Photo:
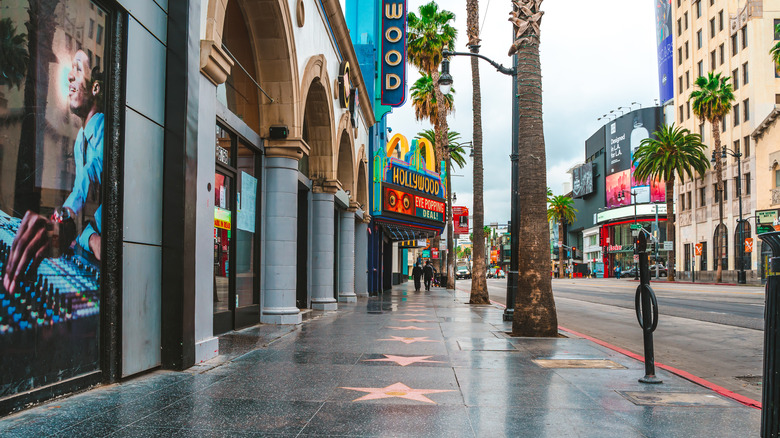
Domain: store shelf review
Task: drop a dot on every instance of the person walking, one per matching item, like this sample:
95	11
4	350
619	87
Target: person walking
428	271
417	272
617	272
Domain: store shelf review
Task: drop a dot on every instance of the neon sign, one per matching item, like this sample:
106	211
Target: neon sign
393	53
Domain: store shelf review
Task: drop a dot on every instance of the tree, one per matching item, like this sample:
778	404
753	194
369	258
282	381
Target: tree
479	289
670	153
775	50
13	54
712	100
428	35
534	313
424	101
457	153
561	210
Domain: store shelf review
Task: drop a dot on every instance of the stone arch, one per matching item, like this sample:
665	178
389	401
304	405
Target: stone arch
361	186
346	163
271	33
317	119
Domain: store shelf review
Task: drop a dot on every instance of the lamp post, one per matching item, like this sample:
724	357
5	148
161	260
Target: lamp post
741	277
445	82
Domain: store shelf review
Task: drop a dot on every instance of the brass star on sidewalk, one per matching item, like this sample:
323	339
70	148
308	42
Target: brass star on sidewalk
409	340
397	390
409	327
404	360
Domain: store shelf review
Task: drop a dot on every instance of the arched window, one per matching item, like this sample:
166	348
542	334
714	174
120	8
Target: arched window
741	258
720	246
239	92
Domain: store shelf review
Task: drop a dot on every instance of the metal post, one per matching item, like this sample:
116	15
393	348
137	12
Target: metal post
741	277
646	310
514	227
770	400
655	244
636	265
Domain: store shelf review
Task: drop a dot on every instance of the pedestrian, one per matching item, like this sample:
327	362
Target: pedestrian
417	272
428	271
617	272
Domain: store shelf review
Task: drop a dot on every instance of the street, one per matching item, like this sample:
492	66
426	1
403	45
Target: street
713	332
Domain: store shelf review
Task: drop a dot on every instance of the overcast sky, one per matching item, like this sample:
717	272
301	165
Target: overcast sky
596	56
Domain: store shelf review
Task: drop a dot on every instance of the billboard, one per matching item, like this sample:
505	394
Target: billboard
393	69
460	217
582	180
624	135
664	44
52	129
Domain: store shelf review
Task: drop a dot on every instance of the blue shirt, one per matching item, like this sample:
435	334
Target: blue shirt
88	154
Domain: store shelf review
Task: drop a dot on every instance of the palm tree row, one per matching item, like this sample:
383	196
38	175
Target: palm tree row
561	210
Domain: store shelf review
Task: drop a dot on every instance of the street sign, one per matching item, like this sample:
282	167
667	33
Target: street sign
749	244
636	226
668	245
697	249
636	258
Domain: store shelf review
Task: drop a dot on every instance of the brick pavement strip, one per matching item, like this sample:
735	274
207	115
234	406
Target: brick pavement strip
338	373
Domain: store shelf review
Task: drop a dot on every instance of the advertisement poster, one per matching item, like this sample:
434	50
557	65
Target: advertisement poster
582	180
461	220
52	125
624	136
664	44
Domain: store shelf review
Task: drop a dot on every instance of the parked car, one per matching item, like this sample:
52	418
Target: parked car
631	272
462	271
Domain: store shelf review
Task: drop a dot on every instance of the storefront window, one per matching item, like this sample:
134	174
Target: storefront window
247	278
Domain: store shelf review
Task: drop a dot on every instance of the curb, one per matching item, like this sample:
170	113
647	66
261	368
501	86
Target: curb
680	373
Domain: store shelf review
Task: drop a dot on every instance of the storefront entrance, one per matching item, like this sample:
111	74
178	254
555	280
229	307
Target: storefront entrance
236	237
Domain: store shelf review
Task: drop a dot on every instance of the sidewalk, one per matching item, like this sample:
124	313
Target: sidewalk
406	364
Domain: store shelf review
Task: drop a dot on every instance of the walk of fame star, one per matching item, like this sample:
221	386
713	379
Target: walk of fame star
409	340
397	390
404	360
409	327
414	320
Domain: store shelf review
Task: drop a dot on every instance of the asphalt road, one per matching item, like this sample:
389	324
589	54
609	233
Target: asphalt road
713	332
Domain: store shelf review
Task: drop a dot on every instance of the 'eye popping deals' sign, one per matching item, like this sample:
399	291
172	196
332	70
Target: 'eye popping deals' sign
393	52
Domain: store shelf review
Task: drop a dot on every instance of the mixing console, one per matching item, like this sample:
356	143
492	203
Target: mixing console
62	289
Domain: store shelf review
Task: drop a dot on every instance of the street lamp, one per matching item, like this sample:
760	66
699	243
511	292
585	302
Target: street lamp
514	264
741	277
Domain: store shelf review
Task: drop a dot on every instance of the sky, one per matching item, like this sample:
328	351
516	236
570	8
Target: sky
596	56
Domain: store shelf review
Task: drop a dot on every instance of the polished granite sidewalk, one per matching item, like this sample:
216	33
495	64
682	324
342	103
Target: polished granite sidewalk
406	364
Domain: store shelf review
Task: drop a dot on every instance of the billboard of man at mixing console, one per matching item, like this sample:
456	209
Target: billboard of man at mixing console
51	170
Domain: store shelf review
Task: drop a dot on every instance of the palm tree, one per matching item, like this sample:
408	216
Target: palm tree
561	210
671	152
13	54
534	313
479	290
457	153
712	100
424	101
775	50
428	35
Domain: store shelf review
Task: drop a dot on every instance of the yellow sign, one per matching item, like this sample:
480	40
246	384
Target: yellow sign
222	218
415	181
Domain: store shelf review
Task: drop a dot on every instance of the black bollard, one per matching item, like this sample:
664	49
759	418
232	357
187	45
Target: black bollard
770	397
646	309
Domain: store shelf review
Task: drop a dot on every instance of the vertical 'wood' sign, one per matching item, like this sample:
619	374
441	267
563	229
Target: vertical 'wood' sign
393	52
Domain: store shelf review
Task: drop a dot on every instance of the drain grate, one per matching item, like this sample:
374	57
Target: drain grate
675	399
579	363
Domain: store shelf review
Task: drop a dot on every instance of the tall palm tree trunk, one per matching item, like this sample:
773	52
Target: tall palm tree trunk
535	313
479	290
450	237
440	134
669	227
561	250
719	171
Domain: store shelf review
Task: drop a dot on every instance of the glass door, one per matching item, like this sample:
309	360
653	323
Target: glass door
247	309
223	250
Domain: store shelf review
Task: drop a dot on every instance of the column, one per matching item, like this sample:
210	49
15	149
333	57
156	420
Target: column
361	258
281	226
347	257
322	297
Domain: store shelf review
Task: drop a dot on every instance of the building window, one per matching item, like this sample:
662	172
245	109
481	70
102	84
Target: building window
746	143
735	110
720	20
702	196
777	34
700	65
746	110
698	39
712	28
687	252
679	56
685	20
722	53
701	131
687	80
745	77
744	37
725	191
703	258
687	53
777	99
679	2
734	45
91	28
680	84
681	114
698	9
777	178
747	184
99	37
723	124
717	192
712	60
682	201
720	247
679	26
736	146
690	196
688	109
735	78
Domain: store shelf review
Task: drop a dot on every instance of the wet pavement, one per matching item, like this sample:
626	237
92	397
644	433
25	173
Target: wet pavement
407	364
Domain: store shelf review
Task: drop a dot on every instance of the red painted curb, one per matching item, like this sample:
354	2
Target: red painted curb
684	374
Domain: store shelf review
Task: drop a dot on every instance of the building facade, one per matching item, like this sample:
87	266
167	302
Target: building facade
732	38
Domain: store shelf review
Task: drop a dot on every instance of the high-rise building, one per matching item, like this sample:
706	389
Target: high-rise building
733	38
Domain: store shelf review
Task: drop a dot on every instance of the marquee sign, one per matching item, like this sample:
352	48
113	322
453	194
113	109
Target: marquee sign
345	85
393	60
397	200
